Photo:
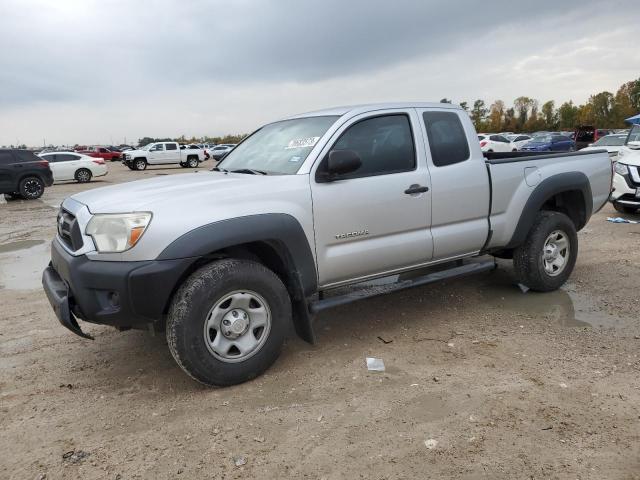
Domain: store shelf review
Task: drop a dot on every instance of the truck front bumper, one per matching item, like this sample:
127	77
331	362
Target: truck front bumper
120	294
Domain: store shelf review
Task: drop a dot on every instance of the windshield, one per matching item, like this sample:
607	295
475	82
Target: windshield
634	134
611	140
146	147
280	147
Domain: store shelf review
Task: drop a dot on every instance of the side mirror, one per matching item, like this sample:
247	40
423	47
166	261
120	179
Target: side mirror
341	162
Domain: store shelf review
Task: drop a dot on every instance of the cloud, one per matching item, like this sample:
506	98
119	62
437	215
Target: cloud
169	67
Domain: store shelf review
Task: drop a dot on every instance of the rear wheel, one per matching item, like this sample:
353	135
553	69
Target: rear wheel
547	257
83	175
228	321
140	164
31	188
624	208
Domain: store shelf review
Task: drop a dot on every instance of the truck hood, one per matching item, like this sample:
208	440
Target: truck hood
199	190
629	156
135	153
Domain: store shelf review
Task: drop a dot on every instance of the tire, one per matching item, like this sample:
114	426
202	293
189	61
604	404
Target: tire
31	188
624	208
192	162
536	262
10	197
83	175
206	300
139	164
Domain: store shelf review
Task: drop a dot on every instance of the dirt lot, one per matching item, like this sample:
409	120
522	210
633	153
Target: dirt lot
482	381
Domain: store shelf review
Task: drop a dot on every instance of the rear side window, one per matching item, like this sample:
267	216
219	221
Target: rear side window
447	140
384	144
172	146
6	158
25	156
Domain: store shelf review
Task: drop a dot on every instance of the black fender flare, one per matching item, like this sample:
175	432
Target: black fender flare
281	231
549	187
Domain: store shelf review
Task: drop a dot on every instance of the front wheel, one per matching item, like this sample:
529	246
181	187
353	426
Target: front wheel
227	322
140	164
547	257
192	162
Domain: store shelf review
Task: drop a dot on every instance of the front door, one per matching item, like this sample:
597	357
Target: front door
156	154
376	219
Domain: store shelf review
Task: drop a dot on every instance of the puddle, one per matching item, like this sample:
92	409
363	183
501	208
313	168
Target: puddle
22	263
497	291
19	245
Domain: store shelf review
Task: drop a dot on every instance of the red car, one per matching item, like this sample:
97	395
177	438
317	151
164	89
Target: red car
101	152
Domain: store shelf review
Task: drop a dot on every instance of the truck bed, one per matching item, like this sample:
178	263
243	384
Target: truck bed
519	178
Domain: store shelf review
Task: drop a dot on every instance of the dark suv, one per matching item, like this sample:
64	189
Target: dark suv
23	174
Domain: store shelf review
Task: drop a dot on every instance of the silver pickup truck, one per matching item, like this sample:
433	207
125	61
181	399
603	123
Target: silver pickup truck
303	206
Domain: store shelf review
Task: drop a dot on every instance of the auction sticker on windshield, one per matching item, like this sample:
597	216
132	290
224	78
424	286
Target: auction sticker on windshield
302	142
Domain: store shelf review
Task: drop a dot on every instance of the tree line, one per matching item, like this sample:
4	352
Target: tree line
235	138
603	110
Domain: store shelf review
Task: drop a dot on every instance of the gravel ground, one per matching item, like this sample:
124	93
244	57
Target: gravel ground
481	380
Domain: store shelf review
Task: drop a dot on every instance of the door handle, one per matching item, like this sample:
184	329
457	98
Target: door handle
415	188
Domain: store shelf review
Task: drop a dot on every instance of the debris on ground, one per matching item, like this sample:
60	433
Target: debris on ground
375	364
431	443
563	385
384	340
258	439
240	460
75	456
620	220
523	288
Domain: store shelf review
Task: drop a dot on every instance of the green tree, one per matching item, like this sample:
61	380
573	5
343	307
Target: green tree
445	100
464	106
603	107
549	115
568	115
522	106
479	114
496	116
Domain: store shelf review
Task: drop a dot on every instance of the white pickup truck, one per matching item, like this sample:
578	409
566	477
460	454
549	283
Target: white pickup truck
305	205
162	153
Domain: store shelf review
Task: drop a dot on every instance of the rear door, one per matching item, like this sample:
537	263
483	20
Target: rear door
461	192
172	153
373	221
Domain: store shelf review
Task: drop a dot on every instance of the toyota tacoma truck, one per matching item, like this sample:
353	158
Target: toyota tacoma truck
300	216
162	153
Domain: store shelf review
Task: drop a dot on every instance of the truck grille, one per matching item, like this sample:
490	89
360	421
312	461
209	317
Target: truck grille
69	230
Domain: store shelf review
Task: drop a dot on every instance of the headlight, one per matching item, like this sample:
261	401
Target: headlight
112	233
621	168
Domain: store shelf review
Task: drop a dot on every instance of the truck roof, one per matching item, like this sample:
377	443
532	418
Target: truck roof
367	107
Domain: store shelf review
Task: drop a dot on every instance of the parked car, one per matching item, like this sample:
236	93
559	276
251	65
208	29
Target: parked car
492	142
162	153
626	182
101	152
549	143
518	140
219	152
612	143
23	174
304	205
75	166
586	134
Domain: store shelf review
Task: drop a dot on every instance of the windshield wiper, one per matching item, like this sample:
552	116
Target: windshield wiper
250	171
219	169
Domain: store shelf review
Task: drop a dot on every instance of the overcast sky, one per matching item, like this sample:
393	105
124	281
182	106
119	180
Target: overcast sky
98	71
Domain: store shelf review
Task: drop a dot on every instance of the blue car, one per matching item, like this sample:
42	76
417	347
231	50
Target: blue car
550	143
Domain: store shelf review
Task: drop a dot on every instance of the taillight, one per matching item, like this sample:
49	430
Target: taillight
99	161
44	163
482	144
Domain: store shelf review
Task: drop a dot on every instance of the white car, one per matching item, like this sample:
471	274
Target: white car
493	142
518	140
626	181
611	143
74	166
220	151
